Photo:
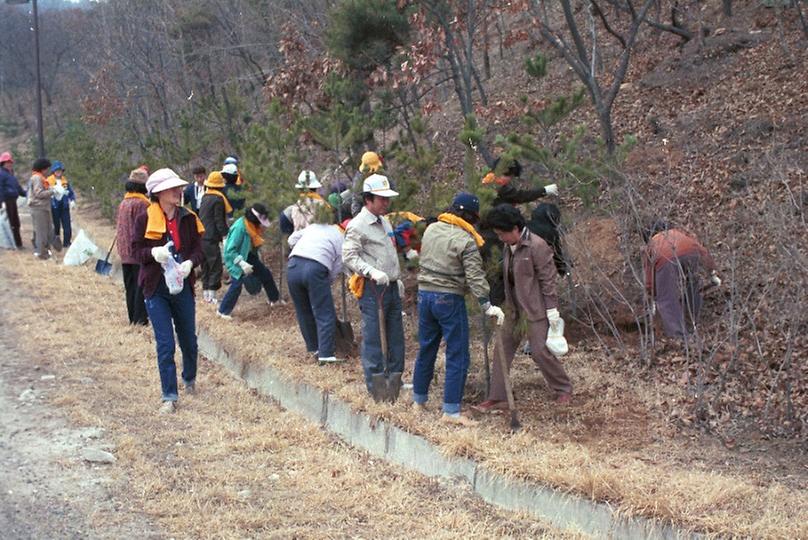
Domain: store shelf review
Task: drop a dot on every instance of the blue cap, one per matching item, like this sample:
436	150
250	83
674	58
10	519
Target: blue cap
57	166
467	202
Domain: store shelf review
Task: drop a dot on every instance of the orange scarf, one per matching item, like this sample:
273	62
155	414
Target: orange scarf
131	195
452	219
255	233
311	195
51	180
491	178
156	222
227	206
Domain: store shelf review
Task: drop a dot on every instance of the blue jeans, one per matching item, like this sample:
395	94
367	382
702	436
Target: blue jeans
61	219
372	359
442	315
234	291
310	289
168	313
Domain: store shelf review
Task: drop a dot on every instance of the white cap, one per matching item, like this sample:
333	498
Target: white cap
230	168
307	180
230	159
163	179
378	185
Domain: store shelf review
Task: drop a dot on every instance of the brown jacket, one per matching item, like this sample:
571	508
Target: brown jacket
531	285
668	246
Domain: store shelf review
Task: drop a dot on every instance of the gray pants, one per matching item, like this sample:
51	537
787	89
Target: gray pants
678	295
44	235
557	379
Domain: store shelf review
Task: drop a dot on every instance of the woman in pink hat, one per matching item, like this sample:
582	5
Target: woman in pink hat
10	190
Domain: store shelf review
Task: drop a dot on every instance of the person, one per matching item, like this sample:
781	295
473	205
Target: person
450	264
39	197
544	222
213	212
672	263
193	193
234	185
167	230
368	251
503	177
314	264
530	296
297	216
133	204
10	191
241	258
62	201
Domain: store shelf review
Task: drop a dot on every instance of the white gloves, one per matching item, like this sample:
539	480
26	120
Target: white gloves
411	254
551	189
72	205
161	253
715	279
653	309
246	267
379	277
494	311
401	289
58	192
185	268
554	318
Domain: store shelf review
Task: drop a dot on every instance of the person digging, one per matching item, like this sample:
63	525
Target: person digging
368	251
529	274
450	263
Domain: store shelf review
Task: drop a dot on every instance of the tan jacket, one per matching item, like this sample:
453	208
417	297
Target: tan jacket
451	262
533	290
39	192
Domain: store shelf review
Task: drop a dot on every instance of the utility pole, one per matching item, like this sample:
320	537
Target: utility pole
40	132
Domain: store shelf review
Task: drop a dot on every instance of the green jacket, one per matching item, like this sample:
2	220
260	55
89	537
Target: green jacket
450	262
238	243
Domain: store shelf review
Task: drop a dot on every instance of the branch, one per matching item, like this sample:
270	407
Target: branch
599	13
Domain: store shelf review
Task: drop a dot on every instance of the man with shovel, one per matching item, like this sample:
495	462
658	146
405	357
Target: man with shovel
369	252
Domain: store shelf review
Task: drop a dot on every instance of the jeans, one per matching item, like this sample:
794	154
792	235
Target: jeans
170	312
61	219
135	303
442	315
372	359
234	291
310	289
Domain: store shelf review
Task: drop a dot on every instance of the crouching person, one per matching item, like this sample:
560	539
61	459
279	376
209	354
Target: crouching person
450	263
167	231
241	258
530	295
315	262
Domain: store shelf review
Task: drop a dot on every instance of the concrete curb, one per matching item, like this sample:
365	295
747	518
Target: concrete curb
381	439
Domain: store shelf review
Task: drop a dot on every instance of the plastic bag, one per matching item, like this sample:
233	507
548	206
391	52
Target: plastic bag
6	236
80	250
556	342
172	273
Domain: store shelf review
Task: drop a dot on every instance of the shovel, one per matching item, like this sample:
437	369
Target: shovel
345	339
515	424
104	267
486	341
386	386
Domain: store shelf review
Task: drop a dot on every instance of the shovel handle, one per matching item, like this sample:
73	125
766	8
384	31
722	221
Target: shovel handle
499	353
106	259
382	322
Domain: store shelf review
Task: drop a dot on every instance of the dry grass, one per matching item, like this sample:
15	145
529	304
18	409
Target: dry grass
229	464
612	444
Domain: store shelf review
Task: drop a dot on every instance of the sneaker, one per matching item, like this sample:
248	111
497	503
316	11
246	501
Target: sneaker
458	419
190	388
278	303
563	399
223	316
491	406
329	359
168	407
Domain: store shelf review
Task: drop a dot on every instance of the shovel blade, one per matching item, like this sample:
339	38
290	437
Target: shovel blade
393	386
378	387
103	268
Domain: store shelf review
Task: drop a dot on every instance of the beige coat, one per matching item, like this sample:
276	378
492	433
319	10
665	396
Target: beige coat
532	288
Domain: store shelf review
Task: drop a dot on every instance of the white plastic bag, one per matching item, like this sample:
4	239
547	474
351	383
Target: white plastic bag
80	250
172	274
6	236
556	342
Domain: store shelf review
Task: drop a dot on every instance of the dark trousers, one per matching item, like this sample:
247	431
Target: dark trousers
170	312
310	289
61	219
678	295
234	291
135	303
211	265
13	219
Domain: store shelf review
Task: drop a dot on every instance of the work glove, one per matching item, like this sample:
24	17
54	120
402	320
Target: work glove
246	267
161	253
554	318
411	254
715	279
494	311
379	277
185	268
72	205
58	192
400	289
653	309
551	189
